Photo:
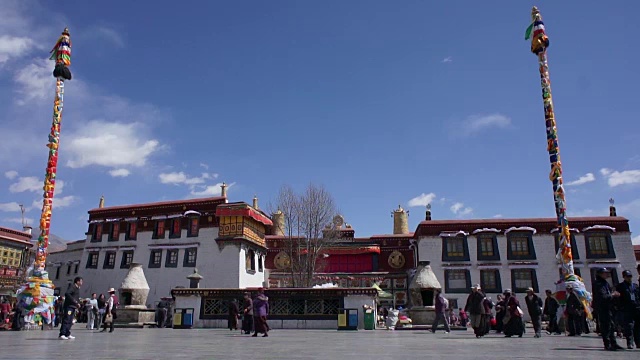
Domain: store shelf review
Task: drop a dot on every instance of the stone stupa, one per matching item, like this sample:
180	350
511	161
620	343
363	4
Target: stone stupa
134	291
422	290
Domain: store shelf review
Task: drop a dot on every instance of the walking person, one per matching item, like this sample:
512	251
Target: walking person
475	308
500	313
551	306
102	303
513	324
534	307
247	314
233	311
58	309
574	309
629	309
161	313
260	311
92	311
441	306
603	296
71	305
110	311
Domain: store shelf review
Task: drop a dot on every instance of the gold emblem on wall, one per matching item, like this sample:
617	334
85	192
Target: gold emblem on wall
396	259
282	260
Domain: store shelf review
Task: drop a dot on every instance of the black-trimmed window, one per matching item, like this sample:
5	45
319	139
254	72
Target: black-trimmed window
520	246
96	235
127	258
194	227
58	272
159	231
176	228
575	271
75	269
260	263
574	245
114	232
490	281
172	258
109	260
612	280
68	269
132	230
190	257
488	247
250	261
599	245
92	261
155	258
457	281
522	279
455	248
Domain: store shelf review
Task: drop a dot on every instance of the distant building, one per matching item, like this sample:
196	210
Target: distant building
224	241
15	254
520	253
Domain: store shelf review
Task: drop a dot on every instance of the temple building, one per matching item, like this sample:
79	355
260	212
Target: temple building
223	241
520	253
15	257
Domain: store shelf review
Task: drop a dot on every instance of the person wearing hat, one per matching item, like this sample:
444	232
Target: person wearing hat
534	307
630	309
603	298
476	310
110	311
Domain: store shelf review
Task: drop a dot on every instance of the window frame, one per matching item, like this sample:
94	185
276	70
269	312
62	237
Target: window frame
494	243
156	229
185	261
449	289
89	260
190	231
123	260
97	229
498	280
250	261
114	231
106	264
167	264
68	269
574	245
172	230
531	247
260	263
534	281
58	272
152	263
611	252
465	248
129	236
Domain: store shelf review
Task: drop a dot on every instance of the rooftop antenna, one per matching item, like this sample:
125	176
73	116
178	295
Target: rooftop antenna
22	210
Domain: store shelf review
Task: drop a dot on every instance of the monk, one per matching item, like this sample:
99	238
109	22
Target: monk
260	311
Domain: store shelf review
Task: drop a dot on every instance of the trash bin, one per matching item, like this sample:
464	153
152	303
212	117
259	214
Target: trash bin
347	319
369	319
183	318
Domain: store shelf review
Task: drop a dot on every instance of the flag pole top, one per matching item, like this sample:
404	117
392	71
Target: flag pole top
535	14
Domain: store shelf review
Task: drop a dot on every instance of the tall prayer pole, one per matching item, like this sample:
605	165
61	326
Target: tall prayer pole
37	293
539	45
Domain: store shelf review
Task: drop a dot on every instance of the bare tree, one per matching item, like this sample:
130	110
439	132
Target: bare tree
307	230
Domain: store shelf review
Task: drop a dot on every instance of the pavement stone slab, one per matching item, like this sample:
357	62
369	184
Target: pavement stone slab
297	344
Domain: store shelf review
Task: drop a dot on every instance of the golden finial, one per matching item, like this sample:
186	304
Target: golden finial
101	204
65	31
535	14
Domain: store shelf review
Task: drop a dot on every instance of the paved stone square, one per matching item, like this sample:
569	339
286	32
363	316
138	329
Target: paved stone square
296	344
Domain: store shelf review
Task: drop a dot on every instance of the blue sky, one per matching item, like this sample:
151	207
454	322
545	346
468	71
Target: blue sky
383	102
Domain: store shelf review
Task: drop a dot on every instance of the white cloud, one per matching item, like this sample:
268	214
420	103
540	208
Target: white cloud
11	174
172	178
10	207
65	201
460	210
110	35
109	144
205	166
119	172
35	82
496	216
422	200
27	220
587	178
196	184
617	178
209	190
477	123
448	59
13	47
29	183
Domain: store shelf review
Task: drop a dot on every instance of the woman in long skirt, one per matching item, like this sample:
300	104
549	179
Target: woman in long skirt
260	311
247	314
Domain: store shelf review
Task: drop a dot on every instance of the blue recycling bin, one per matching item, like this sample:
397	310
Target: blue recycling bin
347	319
183	318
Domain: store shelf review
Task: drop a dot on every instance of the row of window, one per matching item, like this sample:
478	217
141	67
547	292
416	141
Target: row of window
76	266
174	226
459	281
171	258
250	262
520	247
